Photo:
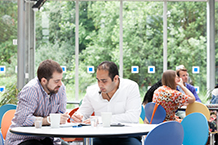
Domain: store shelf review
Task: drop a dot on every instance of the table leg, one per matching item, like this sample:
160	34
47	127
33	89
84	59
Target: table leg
211	139
88	141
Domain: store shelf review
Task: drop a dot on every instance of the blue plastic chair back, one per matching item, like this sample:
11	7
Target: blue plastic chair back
4	109
159	115
166	133
1	139
142	115
196	129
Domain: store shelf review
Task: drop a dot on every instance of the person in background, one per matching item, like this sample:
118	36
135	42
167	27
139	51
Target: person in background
43	95
182	73
214	93
149	96
111	94
169	98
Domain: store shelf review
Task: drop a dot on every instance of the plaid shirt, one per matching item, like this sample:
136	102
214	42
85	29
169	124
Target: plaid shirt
34	101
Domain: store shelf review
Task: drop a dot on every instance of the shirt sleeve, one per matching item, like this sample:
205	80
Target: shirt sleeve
192	89
181	98
26	105
86	108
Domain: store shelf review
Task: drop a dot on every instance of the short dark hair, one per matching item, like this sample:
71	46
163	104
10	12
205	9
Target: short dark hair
168	79
181	69
111	67
47	68
149	94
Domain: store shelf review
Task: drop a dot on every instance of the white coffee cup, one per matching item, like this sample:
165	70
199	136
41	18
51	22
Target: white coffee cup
106	118
38	122
54	120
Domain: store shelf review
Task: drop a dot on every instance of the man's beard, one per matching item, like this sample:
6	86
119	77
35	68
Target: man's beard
52	91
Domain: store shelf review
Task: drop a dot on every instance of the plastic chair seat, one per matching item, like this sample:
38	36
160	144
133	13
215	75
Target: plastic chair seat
166	133
198	107
142	115
4	109
6	122
196	129
159	115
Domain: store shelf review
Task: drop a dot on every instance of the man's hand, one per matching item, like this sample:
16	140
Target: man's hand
77	117
180	82
64	118
87	121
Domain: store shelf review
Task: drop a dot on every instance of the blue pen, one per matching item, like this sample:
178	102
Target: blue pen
69	117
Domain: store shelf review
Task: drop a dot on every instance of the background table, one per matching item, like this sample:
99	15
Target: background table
86	131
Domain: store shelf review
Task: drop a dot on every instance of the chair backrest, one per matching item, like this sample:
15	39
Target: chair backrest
198	107
196	129
4	109
159	115
6	121
142	115
1	139
166	133
72	112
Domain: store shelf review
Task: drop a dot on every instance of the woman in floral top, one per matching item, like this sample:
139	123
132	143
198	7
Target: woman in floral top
169	98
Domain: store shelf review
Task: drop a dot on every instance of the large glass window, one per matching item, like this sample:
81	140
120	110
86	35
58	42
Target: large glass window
98	38
187	41
55	38
8	50
143	42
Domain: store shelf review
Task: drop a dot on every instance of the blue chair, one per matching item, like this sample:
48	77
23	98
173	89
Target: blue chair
1	139
196	129
4	109
159	114
142	115
166	133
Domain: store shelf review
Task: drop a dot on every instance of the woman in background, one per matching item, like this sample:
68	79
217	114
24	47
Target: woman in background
169	98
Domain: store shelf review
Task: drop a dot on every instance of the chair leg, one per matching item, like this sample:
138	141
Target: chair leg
212	138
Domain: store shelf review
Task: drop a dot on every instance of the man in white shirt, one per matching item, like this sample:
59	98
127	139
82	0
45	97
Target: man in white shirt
111	94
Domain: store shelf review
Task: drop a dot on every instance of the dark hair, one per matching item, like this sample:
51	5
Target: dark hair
181	69
149	94
168	79
111	67
47	68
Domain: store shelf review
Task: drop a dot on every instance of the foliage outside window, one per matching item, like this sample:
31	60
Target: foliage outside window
99	39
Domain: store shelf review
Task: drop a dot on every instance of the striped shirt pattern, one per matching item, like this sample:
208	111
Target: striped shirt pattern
34	101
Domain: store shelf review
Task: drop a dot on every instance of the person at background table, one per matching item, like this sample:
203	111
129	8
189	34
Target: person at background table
43	95
214	94
169	98
111	94
149	96
182	73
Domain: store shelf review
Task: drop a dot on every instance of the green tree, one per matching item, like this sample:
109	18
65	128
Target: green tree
8	29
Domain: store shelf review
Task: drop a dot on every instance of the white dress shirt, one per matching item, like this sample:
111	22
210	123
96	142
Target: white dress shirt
125	104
